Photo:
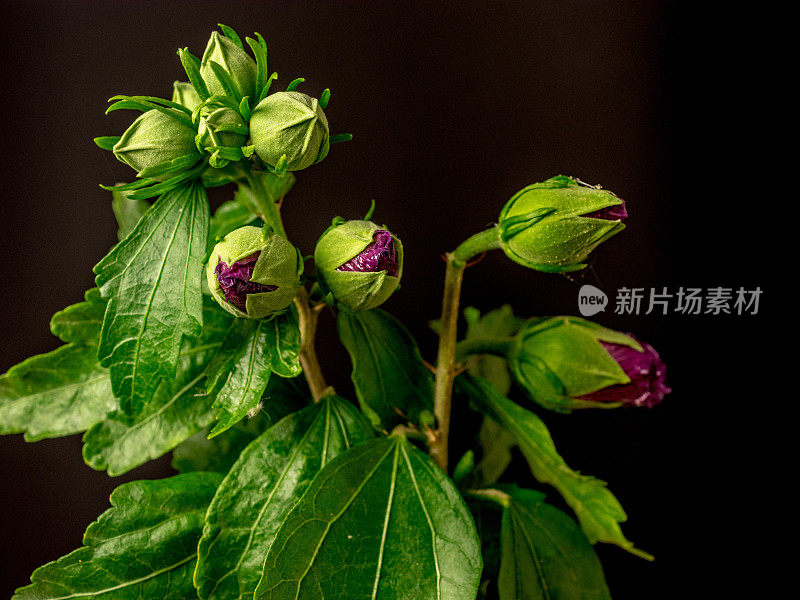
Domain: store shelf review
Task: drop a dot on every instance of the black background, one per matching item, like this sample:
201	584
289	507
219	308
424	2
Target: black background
454	107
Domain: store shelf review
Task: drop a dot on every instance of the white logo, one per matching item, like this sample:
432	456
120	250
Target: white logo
591	300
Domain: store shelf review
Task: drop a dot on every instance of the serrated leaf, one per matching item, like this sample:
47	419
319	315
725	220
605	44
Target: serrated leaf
198	453
81	322
545	555
251	352
127	212
144	546
178	409
55	394
388	372
597	509
380	521
229	216
262	487
152	279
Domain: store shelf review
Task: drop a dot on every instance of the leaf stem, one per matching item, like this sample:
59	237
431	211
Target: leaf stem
445	363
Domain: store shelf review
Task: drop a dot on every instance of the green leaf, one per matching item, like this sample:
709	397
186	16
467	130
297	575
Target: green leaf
388	372
252	350
55	394
81	323
229	216
128	212
381	521
152	279
262	487
144	546
545	555
178	409
497	444
498	323
198	453
597	509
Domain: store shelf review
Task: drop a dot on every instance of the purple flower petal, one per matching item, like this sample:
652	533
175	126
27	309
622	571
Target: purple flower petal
235	281
380	255
646	371
617	212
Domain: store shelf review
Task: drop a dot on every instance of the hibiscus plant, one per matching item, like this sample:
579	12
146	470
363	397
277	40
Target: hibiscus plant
199	340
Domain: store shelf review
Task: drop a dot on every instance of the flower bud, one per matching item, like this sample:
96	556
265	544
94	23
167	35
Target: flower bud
553	226
155	138
359	263
566	362
211	120
184	94
237	62
254	272
291	124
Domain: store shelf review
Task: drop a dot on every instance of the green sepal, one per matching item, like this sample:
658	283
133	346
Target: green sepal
106	142
293	85
231	35
262	74
325	98
191	64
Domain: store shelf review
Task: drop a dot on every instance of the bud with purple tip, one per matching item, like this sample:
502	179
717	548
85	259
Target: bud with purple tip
552	226
254	272
566	363
359	263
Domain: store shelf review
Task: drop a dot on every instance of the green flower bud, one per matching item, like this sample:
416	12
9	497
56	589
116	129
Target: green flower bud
359	263
156	138
254	272
184	94
210	122
553	226
237	62
567	362
291	124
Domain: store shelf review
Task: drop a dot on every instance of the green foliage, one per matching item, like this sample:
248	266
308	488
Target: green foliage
598	511
144	546
545	554
251	352
388	372
177	409
152	281
262	487
64	391
380	521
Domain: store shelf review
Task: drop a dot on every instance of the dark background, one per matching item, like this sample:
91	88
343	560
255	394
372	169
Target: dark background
454	107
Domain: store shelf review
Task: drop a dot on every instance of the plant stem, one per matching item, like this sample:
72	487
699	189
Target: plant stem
445	362
308	355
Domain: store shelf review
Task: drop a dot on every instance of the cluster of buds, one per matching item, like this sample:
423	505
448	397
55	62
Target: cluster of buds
224	114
